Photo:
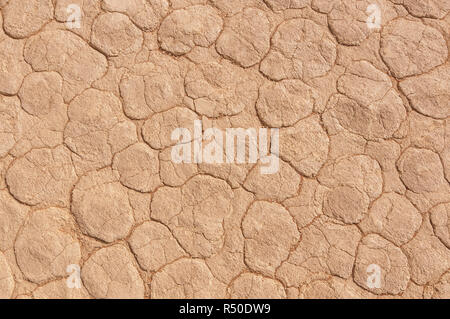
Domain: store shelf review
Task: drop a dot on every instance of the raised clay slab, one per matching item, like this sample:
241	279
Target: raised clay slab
356	95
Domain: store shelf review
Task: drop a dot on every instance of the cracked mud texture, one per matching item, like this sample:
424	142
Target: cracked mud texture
87	177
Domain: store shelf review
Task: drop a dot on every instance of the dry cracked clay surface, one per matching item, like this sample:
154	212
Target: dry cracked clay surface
93	204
